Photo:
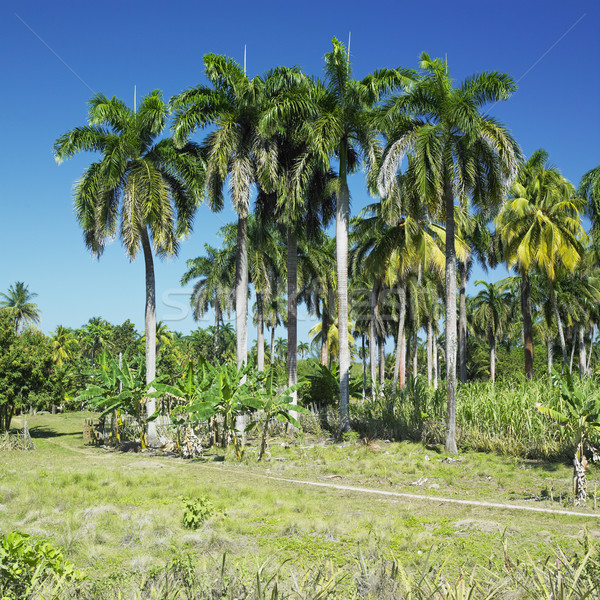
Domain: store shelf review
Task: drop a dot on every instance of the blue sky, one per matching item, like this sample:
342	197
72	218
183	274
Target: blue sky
55	54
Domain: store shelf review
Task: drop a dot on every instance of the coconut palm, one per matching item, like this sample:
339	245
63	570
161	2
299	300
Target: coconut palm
64	345
147	190
491	309
589	188
456	152
345	129
18	300
540	227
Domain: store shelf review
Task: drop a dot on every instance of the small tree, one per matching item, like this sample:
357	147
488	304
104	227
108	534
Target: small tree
581	418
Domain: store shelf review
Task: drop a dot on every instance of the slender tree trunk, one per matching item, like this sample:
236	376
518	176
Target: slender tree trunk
150	331
399	358
429	352
373	340
324	335
260	333
341	246
381	344
572	352
364	363
272	344
550	353
415	355
561	333
241	291
451	341
436	365
217	328
589	360
493	358
582	363
402	373
527	323
462	322
292	323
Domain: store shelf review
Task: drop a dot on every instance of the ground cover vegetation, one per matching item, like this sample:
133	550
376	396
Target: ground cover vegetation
470	373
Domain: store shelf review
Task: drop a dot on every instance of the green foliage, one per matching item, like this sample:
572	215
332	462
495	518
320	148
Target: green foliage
121	388
25	562
196	511
25	364
321	385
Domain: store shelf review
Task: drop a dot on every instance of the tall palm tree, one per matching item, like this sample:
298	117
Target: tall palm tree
214	282
456	152
236	149
18	300
540	227
491	309
589	188
146	189
346	130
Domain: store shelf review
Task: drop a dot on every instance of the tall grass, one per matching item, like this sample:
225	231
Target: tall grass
497	417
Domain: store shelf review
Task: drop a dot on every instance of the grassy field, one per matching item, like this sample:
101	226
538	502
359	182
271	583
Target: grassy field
120	514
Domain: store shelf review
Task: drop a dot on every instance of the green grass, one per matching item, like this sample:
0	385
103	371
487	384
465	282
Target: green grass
116	512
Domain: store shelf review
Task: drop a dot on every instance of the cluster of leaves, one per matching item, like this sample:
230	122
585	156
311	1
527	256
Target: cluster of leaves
25	562
196	511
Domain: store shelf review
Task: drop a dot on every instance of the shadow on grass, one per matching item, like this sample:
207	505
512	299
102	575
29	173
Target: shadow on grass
42	431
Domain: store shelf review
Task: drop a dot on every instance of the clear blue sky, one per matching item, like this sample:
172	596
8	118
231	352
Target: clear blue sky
55	54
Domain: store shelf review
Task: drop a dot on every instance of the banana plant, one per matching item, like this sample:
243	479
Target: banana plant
580	416
120	387
273	405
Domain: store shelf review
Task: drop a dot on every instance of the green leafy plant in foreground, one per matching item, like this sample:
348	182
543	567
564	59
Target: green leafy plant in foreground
581	417
196	511
25	562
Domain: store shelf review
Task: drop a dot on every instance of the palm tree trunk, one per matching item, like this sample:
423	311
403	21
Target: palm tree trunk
324	336
550	353
292	323
451	341
462	321
381	345
415	349
260	333
399	359
272	344
572	353
150	331
589	359
429	351
527	323
582	363
217	326
364	362
435	361
493	358
561	333
241	292
373	341
341	246
402	359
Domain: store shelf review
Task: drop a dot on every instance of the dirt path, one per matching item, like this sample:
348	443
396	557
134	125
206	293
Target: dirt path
150	463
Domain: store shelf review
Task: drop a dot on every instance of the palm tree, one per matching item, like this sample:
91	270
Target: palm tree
96	337
212	289
456	151
303	349
540	227
147	190
64	345
18	301
491	309
236	150
275	313
346	130
589	188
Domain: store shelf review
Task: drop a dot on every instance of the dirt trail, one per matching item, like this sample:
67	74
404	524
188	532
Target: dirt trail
143	462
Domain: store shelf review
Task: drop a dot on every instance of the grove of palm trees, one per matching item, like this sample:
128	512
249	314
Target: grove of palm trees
454	317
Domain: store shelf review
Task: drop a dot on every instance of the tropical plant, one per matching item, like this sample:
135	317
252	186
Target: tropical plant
64	345
540	227
18	301
152	188
491	309
580	416
344	128
456	151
